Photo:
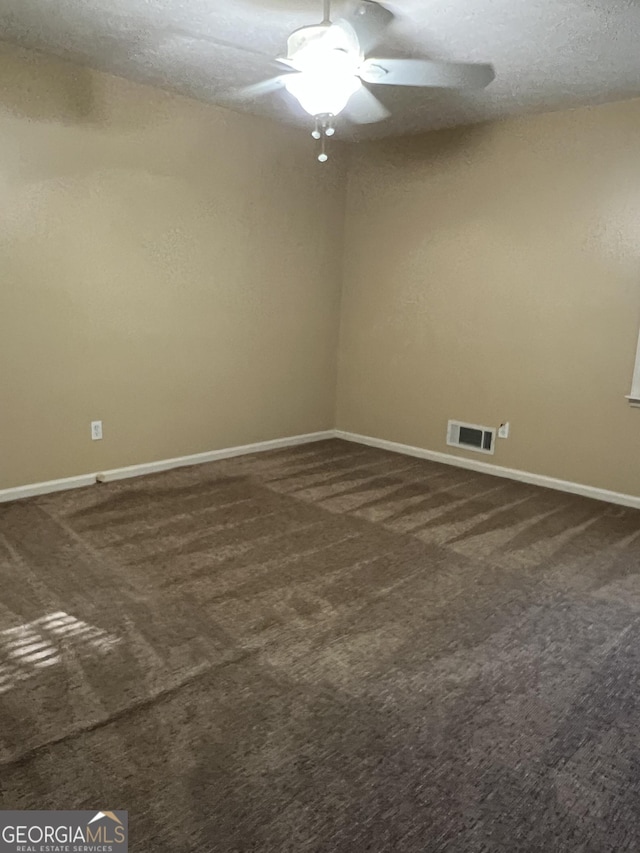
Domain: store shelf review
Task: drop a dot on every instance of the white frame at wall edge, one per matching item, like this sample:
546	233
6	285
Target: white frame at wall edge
634	395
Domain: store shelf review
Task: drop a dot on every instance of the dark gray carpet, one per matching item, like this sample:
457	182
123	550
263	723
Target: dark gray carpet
325	648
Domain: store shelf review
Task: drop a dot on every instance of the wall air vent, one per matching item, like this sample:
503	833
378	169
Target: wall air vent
471	437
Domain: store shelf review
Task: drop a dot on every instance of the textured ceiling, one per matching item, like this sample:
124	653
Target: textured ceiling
548	54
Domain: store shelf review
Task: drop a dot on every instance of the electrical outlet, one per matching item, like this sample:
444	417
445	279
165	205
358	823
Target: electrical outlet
96	430
503	430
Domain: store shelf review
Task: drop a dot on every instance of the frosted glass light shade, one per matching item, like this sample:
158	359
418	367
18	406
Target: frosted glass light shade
322	93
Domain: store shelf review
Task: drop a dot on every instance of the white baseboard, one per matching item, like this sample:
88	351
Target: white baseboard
211	456
496	470
33	489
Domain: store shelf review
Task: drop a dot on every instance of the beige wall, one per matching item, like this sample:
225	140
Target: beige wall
174	270
493	274
168	267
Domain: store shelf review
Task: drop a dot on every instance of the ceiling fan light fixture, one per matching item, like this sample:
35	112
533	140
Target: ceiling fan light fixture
327	58
322	94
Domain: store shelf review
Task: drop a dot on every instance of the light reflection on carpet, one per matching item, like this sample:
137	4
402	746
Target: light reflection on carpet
29	648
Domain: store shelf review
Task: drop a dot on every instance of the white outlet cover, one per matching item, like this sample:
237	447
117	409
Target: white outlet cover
96	430
503	430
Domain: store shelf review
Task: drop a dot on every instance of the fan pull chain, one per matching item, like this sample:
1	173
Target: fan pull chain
322	129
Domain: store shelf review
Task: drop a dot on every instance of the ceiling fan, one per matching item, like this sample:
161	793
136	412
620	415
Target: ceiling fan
326	65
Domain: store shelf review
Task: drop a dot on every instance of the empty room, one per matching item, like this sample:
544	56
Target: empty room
319	426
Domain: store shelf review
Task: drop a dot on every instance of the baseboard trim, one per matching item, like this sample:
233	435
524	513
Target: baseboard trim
34	489
211	456
50	486
496	470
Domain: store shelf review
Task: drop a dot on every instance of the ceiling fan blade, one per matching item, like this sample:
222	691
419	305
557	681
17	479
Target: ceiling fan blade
424	72
365	108
370	21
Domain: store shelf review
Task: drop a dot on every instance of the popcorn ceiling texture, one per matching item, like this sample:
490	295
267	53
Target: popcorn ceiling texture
548	54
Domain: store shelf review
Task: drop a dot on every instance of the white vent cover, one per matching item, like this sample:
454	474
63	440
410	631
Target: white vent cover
471	437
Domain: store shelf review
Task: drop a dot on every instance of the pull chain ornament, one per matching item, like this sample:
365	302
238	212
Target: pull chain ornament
324	128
